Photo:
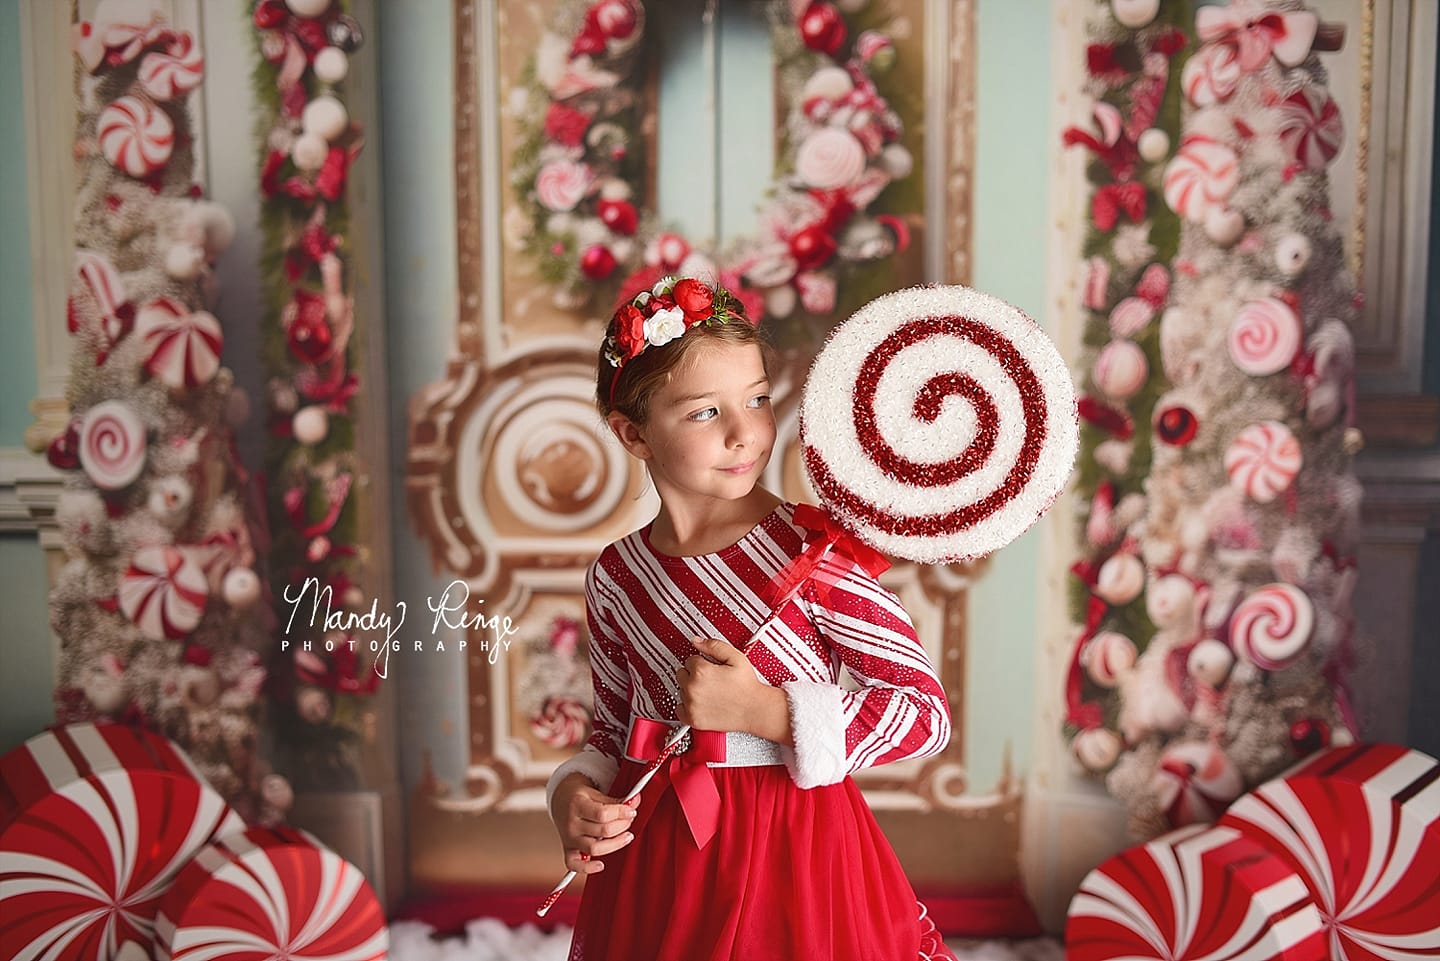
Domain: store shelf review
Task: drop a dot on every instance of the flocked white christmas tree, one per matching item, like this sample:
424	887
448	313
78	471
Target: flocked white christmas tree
1220	568
156	606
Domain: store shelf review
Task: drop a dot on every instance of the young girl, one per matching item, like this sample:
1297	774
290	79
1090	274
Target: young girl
754	843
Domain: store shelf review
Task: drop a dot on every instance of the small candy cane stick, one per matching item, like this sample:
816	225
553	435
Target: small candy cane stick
634	792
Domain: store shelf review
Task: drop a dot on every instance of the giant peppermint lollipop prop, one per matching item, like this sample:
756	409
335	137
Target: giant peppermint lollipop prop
938	423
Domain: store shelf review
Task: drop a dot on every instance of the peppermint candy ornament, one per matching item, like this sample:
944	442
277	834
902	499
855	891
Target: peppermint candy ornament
1107	656
829	158
938	423
1202	175
1121	369
184	347
136	136
1211	75
95	822
561	723
163	592
1310	127
1097	749
1194	782
1272	627
271	893
1263	460
1264	337
112	445
174	72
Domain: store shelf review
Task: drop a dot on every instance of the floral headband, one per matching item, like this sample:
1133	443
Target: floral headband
664	312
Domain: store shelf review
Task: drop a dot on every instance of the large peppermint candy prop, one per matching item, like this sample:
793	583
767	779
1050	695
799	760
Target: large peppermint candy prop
183	346
1361	826
264	894
1196	893
95	822
938	423
136	136
164	592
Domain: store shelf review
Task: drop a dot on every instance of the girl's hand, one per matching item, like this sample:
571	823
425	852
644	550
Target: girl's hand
591	823
720	691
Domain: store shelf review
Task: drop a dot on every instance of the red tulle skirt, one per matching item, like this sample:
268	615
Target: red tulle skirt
789	874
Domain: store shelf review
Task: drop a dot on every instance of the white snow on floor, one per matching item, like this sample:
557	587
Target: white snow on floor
487	939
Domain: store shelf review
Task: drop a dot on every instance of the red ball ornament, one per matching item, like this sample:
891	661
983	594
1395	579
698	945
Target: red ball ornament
812	247
1176	425
64	451
822	28
615	18
597	262
619	215
1309	735
309	336
588	42
270	14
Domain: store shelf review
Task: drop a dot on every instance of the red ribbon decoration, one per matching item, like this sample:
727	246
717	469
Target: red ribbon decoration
688	771
826	536
1111	199
1079	712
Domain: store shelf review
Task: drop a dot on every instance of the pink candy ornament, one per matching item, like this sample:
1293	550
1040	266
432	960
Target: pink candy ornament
1203	174
163	593
1170	601
136	136
183	347
1263	460
1120	580
1131	316
561	184
1195	782
829	158
1107	656
175	72
112	445
1271	628
1264	337
1211	75
1121	369
1310	127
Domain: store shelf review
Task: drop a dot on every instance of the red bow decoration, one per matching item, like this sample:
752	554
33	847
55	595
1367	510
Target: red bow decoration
341	674
826	536
688	771
336	491
1081	713
1107	418
1111	199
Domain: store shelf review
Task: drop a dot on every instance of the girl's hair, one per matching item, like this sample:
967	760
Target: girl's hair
629	388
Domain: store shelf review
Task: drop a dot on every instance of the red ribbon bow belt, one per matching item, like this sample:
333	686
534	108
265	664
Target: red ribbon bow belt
826	536
688	770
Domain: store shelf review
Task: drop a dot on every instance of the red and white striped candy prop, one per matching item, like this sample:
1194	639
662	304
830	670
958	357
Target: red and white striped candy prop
1201	177
174	72
938	423
163	592
1361	826
1265	337
270	894
112	445
136	136
1310	127
1272	627
1262	460
1197	893
95	822
183	347
1194	781
104	283
1212	75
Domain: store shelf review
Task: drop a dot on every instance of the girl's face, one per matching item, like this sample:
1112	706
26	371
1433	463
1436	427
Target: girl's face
711	430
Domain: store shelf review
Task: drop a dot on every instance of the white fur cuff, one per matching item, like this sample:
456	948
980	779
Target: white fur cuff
600	769
817	720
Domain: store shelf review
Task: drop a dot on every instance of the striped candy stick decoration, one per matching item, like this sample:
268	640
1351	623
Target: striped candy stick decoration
95	821
1196	893
271	893
1359	825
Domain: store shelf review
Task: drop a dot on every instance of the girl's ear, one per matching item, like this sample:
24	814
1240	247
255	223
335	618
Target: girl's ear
627	432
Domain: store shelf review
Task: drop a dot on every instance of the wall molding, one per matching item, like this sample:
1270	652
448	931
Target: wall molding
29	491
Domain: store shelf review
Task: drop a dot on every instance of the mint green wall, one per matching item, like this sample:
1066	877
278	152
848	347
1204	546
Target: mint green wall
27	657
17	335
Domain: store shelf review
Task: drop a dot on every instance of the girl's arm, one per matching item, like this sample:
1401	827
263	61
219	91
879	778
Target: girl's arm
900	711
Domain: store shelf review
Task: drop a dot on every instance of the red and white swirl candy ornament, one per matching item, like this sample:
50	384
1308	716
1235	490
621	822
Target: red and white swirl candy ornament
938	423
1272	627
271	893
163	592
1194	782
136	136
1265	337
1310	127
112	445
1263	460
183	346
174	72
1201	177
95	823
1360	825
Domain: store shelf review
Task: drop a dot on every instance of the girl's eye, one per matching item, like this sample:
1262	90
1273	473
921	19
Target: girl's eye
706	414
760	401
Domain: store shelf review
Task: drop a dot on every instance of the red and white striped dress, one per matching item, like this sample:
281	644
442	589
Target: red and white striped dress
797	866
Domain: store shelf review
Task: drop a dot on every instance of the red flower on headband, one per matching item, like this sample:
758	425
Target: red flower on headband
629	331
695	299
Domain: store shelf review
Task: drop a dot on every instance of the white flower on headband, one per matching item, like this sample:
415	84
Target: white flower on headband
664	285
664	326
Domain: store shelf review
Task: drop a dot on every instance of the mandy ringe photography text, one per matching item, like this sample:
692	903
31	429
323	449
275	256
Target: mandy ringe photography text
449	610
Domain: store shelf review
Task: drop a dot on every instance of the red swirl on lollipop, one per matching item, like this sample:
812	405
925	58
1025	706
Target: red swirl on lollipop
938	423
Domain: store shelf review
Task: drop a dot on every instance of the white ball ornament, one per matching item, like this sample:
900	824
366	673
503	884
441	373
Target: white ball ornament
308	8
1121	579
1170	601
1121	369
1224	226
1097	749
1210	662
241	587
325	117
1292	254
170	499
184	261
311	424
1153	145
896	161
1135	13
107	693
331	65
309	152
828	83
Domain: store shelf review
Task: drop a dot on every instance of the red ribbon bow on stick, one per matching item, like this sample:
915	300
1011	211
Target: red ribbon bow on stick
1111	199
689	771
826	536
